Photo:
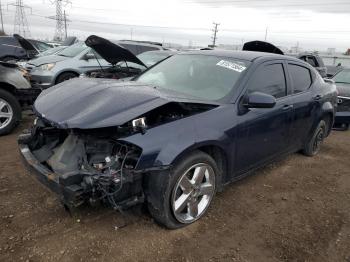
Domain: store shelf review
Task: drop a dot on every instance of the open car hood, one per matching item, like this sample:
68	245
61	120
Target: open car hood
112	53
26	45
261	46
87	103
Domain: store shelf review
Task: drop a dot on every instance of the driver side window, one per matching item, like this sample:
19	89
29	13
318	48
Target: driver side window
269	79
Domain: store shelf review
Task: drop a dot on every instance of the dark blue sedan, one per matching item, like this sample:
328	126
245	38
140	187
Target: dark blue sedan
175	135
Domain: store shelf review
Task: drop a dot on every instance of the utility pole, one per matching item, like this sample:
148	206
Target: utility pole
61	21
214	37
266	33
2	21
21	24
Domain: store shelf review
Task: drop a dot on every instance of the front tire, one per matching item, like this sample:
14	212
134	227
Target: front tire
10	112
313	146
182	196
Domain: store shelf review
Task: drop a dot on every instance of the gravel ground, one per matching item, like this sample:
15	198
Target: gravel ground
297	209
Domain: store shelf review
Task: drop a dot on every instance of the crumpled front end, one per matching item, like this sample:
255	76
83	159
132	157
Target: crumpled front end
343	110
84	165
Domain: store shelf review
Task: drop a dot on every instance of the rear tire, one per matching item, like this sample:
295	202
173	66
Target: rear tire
10	112
65	76
313	146
193	180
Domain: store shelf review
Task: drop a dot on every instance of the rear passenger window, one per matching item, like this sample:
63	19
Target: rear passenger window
301	78
269	79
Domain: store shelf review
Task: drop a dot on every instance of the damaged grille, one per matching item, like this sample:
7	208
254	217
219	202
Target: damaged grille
92	163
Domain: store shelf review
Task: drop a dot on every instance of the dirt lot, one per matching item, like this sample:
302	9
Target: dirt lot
295	210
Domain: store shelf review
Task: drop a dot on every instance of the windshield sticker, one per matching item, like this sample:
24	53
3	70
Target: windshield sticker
232	66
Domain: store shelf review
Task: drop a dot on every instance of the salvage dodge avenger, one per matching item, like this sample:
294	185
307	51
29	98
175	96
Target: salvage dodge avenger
179	132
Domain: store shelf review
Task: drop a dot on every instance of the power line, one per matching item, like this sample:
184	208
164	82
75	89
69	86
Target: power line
262	4
61	22
235	30
21	26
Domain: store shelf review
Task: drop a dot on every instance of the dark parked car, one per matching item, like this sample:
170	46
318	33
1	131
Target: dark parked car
342	80
17	48
312	59
123	62
178	133
315	61
15	94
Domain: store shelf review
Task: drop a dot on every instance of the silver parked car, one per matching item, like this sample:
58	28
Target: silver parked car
74	60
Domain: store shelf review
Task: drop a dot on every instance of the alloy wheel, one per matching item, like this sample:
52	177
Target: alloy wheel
6	113
193	193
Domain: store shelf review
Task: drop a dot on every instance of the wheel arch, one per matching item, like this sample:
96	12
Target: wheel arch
328	114
8	87
64	72
216	151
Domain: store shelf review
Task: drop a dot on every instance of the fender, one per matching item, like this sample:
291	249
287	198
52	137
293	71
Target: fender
326	109
164	144
13	77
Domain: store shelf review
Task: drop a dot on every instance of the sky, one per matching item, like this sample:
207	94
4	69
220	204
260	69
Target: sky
313	25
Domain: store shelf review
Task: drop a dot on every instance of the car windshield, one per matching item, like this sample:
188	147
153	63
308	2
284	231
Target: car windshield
73	50
151	58
342	77
204	76
52	51
148	58
40	45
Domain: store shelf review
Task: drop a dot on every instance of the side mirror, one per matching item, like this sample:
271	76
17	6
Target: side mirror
259	100
89	56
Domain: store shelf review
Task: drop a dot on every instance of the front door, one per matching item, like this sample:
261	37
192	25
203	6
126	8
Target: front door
264	133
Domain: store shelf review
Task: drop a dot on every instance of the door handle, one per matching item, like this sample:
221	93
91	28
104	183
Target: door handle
287	107
318	97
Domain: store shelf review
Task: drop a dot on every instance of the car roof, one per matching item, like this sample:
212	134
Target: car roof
242	55
121	42
168	52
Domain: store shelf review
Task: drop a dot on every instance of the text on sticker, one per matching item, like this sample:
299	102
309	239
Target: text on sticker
231	65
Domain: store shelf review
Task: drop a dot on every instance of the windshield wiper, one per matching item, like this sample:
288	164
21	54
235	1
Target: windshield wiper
342	82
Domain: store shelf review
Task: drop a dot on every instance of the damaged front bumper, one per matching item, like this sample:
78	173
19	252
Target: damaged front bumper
74	190
70	195
343	111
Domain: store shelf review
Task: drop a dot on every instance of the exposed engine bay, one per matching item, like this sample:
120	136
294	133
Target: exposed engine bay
94	165
115	72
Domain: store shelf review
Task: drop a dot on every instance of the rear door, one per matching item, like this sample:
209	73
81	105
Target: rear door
304	102
265	133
